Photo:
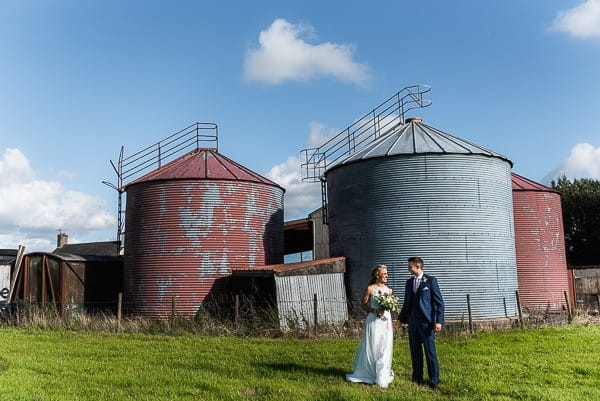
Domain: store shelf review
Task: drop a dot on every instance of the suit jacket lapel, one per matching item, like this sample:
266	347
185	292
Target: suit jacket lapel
421	284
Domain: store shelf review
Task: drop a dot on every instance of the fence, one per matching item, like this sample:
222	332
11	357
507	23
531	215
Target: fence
239	315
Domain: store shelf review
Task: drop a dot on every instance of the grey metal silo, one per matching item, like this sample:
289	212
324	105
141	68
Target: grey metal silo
418	191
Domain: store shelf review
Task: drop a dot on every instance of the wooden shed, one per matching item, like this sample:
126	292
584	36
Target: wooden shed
296	288
70	282
587	286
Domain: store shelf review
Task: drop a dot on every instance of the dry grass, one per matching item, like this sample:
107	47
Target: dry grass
255	323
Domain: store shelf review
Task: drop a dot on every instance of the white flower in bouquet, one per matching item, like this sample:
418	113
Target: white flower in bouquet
388	302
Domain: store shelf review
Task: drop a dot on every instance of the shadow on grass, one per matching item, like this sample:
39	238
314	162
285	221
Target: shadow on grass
294	367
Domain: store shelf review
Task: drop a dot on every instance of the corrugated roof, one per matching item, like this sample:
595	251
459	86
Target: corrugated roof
318	266
414	137
78	258
520	183
61	256
104	248
7	256
205	164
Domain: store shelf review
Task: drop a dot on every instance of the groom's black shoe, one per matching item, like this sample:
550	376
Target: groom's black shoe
431	385
419	382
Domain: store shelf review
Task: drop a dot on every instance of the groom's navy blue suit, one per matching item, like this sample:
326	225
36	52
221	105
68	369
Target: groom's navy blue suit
422	310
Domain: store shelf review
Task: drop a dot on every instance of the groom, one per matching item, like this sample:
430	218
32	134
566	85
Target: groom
423	310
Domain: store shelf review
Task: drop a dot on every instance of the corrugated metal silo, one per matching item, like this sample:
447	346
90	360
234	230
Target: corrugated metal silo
188	223
540	245
418	191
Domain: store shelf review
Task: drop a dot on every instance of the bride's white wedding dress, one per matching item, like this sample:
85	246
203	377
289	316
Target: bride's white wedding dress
373	360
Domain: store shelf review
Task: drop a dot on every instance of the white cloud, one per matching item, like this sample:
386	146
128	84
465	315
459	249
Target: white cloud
63	174
14	168
301	198
582	21
31	210
319	134
304	197
583	162
284	55
13	239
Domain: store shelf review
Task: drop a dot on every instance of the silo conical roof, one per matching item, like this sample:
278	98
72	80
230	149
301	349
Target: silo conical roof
204	164
520	183
414	137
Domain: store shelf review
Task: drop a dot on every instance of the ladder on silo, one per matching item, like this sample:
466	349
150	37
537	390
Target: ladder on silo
373	125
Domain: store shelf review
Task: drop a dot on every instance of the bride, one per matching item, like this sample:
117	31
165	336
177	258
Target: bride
373	360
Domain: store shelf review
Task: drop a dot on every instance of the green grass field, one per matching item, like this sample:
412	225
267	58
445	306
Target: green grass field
543	364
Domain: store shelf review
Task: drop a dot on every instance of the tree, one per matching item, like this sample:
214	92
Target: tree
581	219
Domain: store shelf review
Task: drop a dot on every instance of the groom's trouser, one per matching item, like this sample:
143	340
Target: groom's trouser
421	335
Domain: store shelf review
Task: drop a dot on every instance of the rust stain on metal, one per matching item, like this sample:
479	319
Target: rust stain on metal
539	240
184	234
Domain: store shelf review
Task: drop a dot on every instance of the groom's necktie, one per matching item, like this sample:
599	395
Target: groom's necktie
415	284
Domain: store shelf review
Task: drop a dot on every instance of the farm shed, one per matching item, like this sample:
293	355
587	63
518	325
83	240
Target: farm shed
307	234
70	282
587	286
292	287
103	273
7	262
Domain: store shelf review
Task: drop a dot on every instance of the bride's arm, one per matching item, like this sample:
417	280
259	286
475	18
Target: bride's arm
365	301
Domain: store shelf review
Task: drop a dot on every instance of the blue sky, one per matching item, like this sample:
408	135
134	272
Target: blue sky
78	79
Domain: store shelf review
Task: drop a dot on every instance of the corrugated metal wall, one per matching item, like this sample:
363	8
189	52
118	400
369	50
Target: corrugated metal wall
295	299
453	210
540	247
182	236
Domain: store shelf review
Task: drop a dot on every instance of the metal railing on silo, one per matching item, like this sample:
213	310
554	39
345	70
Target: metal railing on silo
373	125
363	131
192	137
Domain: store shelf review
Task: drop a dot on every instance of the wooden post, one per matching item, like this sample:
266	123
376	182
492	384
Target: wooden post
598	296
172	322
237	310
51	287
316	321
43	268
27	316
470	316
119	310
69	312
519	308
569	312
17	268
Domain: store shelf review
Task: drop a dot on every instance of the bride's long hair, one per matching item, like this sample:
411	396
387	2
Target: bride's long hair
375	273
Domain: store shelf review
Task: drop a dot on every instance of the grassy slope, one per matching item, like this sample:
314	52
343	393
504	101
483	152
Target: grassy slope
546	364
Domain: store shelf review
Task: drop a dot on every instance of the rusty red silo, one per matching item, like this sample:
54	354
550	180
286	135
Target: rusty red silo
188	223
540	246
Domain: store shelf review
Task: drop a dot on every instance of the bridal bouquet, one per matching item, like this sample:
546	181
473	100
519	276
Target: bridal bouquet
388	302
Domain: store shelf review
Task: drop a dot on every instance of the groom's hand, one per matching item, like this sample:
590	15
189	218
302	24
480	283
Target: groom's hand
437	327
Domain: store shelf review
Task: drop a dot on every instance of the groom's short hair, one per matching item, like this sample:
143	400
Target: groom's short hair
416	260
